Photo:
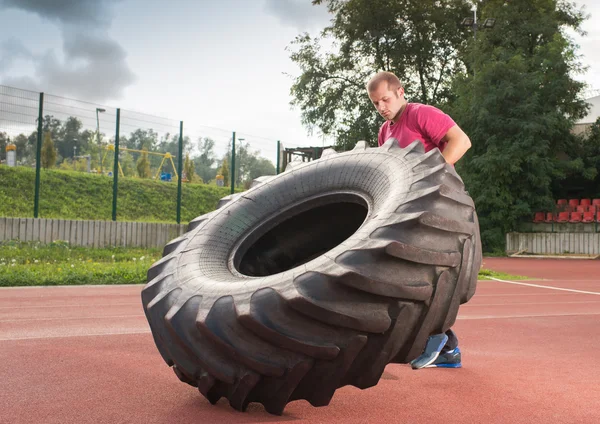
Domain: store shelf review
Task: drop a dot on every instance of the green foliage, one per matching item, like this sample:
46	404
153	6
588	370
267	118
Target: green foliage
518	106
249	165
69	135
143	166
224	171
417	40
75	195
48	154
188	168
127	165
58	263
4	141
205	162
33	264
487	274
142	139
584	180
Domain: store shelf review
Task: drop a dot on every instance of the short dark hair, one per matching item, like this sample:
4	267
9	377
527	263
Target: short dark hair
392	80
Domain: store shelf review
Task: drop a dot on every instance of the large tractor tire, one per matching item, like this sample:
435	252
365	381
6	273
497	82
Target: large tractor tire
316	278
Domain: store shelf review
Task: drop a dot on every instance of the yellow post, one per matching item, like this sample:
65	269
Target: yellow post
160	167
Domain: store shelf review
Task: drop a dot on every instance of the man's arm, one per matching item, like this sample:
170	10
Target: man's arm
458	144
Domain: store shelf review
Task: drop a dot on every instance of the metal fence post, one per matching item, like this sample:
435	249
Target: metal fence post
278	156
38	158
116	168
233	164
180	176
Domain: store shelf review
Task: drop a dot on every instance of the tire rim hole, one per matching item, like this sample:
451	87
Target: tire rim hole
293	239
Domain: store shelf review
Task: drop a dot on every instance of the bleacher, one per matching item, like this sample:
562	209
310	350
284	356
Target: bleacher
571	211
570	227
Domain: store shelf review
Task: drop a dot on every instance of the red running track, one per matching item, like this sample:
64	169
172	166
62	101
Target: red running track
85	355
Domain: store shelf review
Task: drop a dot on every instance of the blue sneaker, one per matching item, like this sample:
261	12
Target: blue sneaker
451	359
432	350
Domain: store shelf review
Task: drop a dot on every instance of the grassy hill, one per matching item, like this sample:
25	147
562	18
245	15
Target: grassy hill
77	195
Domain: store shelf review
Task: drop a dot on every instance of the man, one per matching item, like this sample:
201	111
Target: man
408	122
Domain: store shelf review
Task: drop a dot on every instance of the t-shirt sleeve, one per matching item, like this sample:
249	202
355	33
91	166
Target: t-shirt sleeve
380	139
434	123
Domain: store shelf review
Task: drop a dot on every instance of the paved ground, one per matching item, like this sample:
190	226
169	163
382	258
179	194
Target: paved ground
85	355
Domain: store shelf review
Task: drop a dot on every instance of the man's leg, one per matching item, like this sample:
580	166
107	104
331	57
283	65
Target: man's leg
441	351
452	342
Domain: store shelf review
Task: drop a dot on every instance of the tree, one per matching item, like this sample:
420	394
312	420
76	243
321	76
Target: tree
584	182
518	105
127	164
170	144
205	162
417	40
26	147
188	168
53	126
71	137
143	165
141	139
4	141
259	167
248	164
48	153
224	171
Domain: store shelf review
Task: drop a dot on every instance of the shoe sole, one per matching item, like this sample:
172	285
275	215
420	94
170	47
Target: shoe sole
444	366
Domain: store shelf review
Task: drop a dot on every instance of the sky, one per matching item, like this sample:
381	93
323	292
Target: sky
219	66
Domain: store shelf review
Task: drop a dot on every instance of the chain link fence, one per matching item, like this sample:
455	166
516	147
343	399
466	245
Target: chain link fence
114	146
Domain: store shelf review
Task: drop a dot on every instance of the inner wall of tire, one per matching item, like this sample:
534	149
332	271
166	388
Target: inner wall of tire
300	233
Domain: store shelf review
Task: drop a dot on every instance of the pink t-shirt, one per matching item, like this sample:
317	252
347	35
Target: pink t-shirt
418	122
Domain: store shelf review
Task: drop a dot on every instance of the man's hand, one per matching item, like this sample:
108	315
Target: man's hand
458	144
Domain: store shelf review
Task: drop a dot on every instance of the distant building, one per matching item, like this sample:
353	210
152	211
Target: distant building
585	123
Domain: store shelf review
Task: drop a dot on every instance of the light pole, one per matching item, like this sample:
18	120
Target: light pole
75	140
472	22
99	110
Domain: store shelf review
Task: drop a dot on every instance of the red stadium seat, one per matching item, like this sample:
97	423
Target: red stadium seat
576	217
596	202
597	216
539	217
549	217
581	209
573	202
588	217
563	217
585	202
561	202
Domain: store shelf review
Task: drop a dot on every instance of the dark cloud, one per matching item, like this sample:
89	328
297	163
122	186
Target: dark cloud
300	14
66	11
94	67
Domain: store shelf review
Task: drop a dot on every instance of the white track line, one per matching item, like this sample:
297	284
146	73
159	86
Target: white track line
525	294
474	305
545	287
70	318
66	336
524	316
79	305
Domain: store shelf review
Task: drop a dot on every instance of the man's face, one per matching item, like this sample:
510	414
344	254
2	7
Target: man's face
388	102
